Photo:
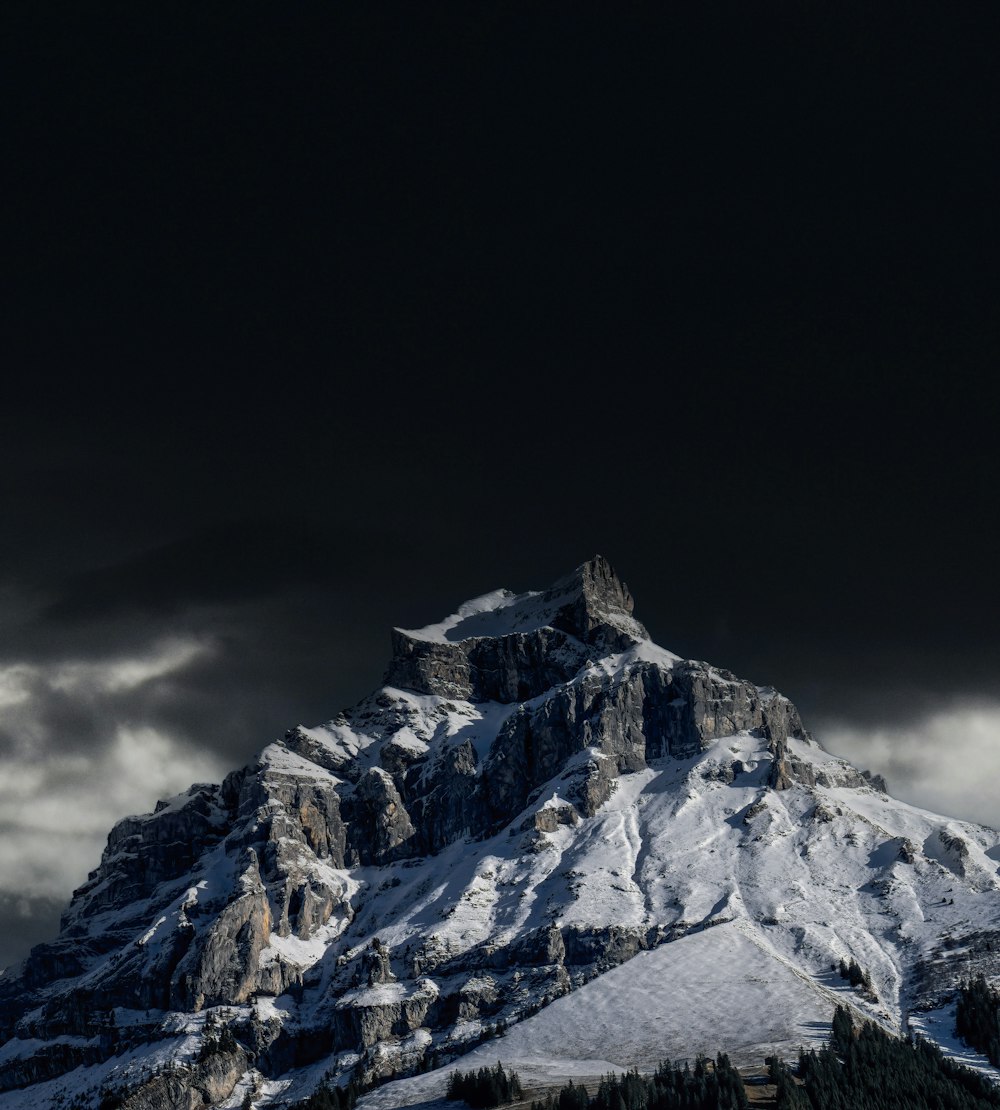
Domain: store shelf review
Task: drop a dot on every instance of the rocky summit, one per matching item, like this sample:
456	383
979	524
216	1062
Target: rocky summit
542	825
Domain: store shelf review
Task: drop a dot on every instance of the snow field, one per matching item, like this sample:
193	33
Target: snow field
712	991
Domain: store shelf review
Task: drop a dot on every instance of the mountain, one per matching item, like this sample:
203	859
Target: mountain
543	823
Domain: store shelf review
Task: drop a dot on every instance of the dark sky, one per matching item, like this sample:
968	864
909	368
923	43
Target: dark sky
322	318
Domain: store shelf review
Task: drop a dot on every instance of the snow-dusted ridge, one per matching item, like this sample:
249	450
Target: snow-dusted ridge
497	613
502	613
541	819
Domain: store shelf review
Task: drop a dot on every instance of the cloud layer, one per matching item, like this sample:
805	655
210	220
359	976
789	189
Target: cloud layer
947	761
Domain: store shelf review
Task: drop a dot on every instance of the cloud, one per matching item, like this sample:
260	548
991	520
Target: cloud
15	685
61	793
56	814
116	675
79	702
947	761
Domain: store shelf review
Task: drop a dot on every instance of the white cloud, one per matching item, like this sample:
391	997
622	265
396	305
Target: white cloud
57	802
57	817
15	685
115	675
948	762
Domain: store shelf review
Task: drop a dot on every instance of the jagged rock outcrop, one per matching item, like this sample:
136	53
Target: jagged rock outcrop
145	852
626	720
208	1083
585	616
380	827
276	806
224	967
446	801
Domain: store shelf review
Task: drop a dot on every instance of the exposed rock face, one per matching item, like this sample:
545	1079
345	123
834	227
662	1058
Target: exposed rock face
380	827
446	801
275	806
695	704
536	743
170	839
625	720
585	616
907	852
407	875
207	1084
224	966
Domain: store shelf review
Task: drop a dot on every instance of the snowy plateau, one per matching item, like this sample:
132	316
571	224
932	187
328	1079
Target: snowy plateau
543	825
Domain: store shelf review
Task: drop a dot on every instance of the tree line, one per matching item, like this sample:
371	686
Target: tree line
484	1088
977	1019
327	1097
710	1085
860	1068
865	1068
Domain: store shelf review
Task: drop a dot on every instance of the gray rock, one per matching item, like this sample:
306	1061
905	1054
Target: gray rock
375	965
276	806
595	712
380	829
877	782
587	615
549	818
445	805
907	851
206	1084
145	852
224	966
360	1022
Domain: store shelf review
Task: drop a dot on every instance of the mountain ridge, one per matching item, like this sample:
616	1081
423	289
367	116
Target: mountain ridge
535	796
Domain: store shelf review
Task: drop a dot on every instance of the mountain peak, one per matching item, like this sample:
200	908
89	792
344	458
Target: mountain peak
602	598
580	603
506	647
394	885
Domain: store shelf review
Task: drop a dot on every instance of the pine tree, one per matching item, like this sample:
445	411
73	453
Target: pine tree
842	1032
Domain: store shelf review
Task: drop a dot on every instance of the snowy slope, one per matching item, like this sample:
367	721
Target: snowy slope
664	1002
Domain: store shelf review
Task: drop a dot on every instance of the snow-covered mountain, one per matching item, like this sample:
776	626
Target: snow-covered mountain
542	823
